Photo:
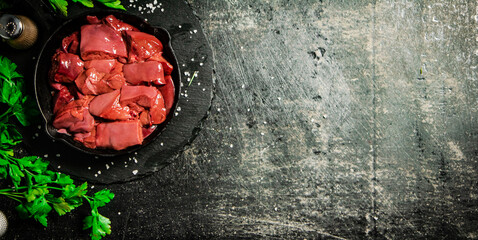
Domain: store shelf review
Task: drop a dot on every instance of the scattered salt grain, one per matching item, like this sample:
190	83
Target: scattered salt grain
89	168
96	175
92	186
39	126
162	144
200	64
57	155
176	114
59	166
107	166
119	213
195	31
36	134
45	156
262	133
203	89
180	27
179	109
231	145
99	172
135	172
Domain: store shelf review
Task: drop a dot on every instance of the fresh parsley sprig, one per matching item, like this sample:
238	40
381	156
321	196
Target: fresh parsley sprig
37	189
62	5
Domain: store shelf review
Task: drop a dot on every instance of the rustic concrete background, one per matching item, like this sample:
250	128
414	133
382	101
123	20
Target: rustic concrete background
331	119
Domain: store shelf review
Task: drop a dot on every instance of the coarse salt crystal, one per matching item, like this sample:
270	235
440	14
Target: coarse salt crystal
135	172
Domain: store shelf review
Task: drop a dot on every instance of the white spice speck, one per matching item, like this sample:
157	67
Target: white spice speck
162	9
325	116
275	209
187	74
195	31
242	47
243	86
45	156
37	135
179	109
99	172
96	157
176	114
218	109
203	89
59	166
135	160
140	8
231	145
126	165
180	27
279	98
96	175
200	64
135	172
89	168
248	109
39	126
162	144
265	122
312	120
107	166
92	186
192	59
135	153
272	77
199	84
119	213
262	133
57	155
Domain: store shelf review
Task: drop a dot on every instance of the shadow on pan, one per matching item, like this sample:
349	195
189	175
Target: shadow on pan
43	91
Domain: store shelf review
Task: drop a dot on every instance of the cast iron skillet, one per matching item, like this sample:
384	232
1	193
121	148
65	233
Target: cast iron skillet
43	91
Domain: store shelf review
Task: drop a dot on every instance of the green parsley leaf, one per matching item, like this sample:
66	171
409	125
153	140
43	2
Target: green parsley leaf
103	197
61	5
112	4
99	224
86	3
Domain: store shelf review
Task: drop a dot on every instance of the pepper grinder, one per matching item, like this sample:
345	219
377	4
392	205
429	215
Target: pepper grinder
18	31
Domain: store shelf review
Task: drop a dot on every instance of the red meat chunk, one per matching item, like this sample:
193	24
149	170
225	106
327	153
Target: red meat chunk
107	106
103	65
118	25
168	93
92	82
141	95
119	135
158	111
71	44
101	42
88	139
168	67
62	98
136	73
93	19
142	45
75	117
66	67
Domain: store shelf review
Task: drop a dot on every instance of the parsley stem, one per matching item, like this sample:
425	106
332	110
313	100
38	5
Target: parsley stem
194	75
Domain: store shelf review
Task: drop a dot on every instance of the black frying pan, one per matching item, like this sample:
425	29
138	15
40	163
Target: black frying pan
43	90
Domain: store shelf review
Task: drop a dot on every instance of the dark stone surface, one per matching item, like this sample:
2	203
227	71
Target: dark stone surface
331	119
